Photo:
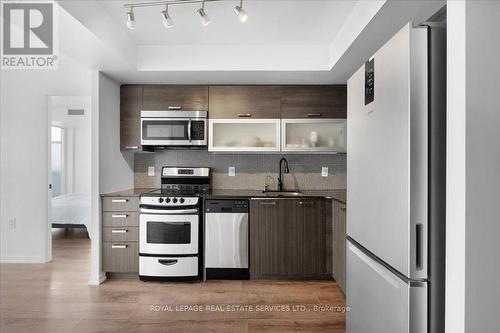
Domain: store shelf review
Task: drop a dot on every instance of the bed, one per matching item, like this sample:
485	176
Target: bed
71	211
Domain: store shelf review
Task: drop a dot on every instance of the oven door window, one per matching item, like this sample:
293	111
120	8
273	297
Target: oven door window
165	129
168	233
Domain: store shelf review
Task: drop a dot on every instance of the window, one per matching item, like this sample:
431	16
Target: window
57	161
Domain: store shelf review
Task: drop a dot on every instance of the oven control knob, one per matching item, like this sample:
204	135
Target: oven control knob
181	200
167	200
174	200
160	200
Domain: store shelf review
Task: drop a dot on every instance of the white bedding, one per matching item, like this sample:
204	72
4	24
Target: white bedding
72	208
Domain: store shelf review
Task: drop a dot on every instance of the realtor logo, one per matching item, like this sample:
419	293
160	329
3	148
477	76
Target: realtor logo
28	35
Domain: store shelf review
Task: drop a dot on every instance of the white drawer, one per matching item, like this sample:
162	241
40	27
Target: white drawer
168	266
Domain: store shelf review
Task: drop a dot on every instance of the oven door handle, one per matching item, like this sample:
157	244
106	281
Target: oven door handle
167	262
189	130
169	212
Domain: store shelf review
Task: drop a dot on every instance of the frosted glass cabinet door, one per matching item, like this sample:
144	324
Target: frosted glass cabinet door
327	135
244	135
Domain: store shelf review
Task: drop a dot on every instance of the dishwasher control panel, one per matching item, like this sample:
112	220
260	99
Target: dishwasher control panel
226	206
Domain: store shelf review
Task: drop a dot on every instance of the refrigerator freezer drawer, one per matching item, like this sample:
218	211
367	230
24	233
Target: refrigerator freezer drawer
379	300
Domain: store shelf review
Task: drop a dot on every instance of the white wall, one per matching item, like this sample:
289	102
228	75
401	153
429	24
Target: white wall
116	169
112	170
77	157
24	155
473	162
482	165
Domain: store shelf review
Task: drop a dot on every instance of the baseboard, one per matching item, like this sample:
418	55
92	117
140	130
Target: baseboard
22	260
97	280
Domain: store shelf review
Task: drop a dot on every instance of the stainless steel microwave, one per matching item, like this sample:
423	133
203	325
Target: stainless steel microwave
173	128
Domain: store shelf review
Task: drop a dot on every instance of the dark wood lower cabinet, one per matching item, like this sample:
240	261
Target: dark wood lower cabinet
339	243
120	234
287	238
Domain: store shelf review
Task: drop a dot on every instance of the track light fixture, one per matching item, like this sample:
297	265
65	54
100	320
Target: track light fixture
131	19
167	20
240	12
205	20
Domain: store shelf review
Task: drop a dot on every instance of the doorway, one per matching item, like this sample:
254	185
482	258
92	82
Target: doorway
69	206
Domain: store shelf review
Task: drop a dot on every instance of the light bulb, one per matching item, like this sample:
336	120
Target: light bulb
241	13
167	20
205	20
131	19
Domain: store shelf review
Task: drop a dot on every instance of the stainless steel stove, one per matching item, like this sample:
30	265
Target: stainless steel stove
169	230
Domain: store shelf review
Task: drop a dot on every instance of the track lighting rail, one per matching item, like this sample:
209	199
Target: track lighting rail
167	19
164	3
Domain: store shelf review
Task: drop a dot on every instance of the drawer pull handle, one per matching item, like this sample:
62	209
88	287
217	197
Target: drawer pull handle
131	147
244	115
119	231
314	115
119	216
268	203
167	262
175	107
119	200
119	246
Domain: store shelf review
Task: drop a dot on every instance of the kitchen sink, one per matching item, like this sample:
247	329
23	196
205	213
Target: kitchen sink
282	193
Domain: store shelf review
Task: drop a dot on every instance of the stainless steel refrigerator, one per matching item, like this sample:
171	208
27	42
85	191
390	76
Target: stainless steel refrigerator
396	122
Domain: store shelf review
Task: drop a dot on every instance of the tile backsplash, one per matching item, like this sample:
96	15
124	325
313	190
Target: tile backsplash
252	170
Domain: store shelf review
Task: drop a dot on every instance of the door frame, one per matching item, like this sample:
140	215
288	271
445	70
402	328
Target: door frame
48	249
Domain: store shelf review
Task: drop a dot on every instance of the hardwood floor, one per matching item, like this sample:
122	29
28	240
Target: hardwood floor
55	297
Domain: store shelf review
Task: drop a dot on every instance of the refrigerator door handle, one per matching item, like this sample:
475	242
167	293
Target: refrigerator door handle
419	246
378	268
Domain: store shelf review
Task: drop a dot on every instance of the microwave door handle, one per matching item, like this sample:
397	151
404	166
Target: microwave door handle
189	130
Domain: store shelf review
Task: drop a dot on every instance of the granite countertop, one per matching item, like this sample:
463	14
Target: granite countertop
131	192
339	195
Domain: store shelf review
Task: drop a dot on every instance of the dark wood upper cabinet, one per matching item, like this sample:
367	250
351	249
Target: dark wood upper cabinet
175	97
287	237
245	101
130	117
320	101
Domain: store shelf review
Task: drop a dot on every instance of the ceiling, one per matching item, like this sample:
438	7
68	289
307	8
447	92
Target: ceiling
270	22
283	42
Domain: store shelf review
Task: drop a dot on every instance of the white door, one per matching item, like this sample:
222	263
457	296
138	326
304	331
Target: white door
380	301
387	159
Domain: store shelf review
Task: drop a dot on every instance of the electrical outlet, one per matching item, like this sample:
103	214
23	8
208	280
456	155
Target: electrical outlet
231	171
324	171
151	171
12	223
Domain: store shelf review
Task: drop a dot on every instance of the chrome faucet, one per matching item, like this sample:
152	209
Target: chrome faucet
280	173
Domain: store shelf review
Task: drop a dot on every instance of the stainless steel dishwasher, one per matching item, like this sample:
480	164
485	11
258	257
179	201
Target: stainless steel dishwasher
226	239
